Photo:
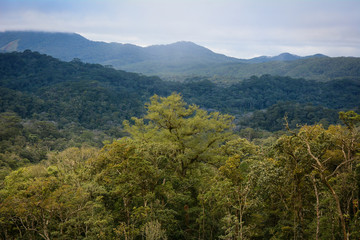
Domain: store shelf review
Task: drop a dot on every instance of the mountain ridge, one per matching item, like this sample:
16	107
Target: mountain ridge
7	37
180	60
50	43
283	57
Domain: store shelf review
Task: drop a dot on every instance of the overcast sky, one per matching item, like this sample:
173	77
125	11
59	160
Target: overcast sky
238	28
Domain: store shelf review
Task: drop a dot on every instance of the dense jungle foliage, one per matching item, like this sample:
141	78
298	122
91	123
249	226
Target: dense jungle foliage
182	173
89	152
40	87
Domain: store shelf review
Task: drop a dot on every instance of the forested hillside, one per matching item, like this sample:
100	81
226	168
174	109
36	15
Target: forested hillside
35	85
96	97
316	68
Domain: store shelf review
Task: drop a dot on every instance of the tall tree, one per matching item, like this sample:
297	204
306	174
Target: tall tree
333	155
188	132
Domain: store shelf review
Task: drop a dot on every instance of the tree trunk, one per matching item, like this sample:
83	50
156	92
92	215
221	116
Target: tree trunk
317	207
321	168
338	206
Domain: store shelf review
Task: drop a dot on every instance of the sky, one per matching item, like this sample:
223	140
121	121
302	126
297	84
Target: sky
237	28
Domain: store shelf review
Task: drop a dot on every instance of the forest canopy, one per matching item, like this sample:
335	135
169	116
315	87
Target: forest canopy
182	172
90	152
40	87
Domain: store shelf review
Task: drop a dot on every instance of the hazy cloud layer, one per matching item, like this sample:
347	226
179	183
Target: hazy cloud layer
240	28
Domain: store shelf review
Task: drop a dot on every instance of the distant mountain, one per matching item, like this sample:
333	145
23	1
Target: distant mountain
283	57
311	68
180	60
67	46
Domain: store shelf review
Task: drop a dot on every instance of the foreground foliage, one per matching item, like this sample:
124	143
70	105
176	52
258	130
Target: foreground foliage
183	173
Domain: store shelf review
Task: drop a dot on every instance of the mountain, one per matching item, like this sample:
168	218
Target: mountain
67	46
180	60
283	57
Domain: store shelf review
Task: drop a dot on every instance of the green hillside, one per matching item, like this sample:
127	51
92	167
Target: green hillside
320	69
39	86
73	91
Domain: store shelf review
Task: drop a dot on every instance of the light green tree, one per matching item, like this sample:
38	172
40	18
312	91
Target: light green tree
186	132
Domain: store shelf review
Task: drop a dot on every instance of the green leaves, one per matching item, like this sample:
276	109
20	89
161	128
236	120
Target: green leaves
189	133
182	173
56	201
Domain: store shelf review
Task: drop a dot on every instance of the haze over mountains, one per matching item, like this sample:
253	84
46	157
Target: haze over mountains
180	60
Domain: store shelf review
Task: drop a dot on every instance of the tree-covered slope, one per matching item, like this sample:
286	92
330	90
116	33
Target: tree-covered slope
317	68
38	85
261	92
41	87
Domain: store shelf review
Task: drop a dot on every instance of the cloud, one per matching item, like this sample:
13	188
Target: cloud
241	28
